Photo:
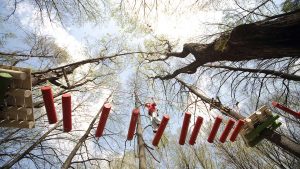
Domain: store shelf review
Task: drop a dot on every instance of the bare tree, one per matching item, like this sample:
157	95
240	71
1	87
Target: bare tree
244	42
77	10
82	140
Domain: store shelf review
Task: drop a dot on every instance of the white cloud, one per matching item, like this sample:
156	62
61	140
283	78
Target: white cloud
29	18
177	20
186	26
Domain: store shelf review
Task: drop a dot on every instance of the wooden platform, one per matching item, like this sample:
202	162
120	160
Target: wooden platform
19	110
256	123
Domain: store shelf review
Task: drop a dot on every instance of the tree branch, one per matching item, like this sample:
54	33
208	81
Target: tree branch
264	71
24	55
56	73
268	39
68	161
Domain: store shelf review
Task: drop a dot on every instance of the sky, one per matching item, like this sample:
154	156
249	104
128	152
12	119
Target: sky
176	24
180	24
181	28
73	37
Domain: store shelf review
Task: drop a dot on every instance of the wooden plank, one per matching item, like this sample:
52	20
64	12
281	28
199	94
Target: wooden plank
258	139
20	111
14	73
19	93
254	133
17	124
30	116
253	121
3	115
20	101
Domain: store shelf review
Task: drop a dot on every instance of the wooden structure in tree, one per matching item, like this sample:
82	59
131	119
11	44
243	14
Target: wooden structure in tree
18	109
256	123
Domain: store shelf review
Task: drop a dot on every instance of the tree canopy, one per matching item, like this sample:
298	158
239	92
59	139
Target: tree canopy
210	58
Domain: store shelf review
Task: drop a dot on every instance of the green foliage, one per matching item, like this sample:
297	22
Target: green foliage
46	46
164	141
59	53
4	82
4	36
126	162
290	5
5	75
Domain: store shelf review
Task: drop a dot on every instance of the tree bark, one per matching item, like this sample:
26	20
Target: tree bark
56	73
25	55
267	39
279	140
141	143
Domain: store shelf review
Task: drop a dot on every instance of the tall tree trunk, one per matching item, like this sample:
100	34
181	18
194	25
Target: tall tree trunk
268	39
279	140
141	143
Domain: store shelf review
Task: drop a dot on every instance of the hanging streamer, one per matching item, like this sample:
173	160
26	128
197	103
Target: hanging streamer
227	130
133	121
214	130
160	130
196	130
103	119
281	107
236	130
185	128
67	112
49	104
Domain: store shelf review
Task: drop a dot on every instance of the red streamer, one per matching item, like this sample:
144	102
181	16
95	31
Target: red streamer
214	130
196	130
49	104
279	106
226	131
103	119
236	130
160	130
133	121
185	128
67	112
